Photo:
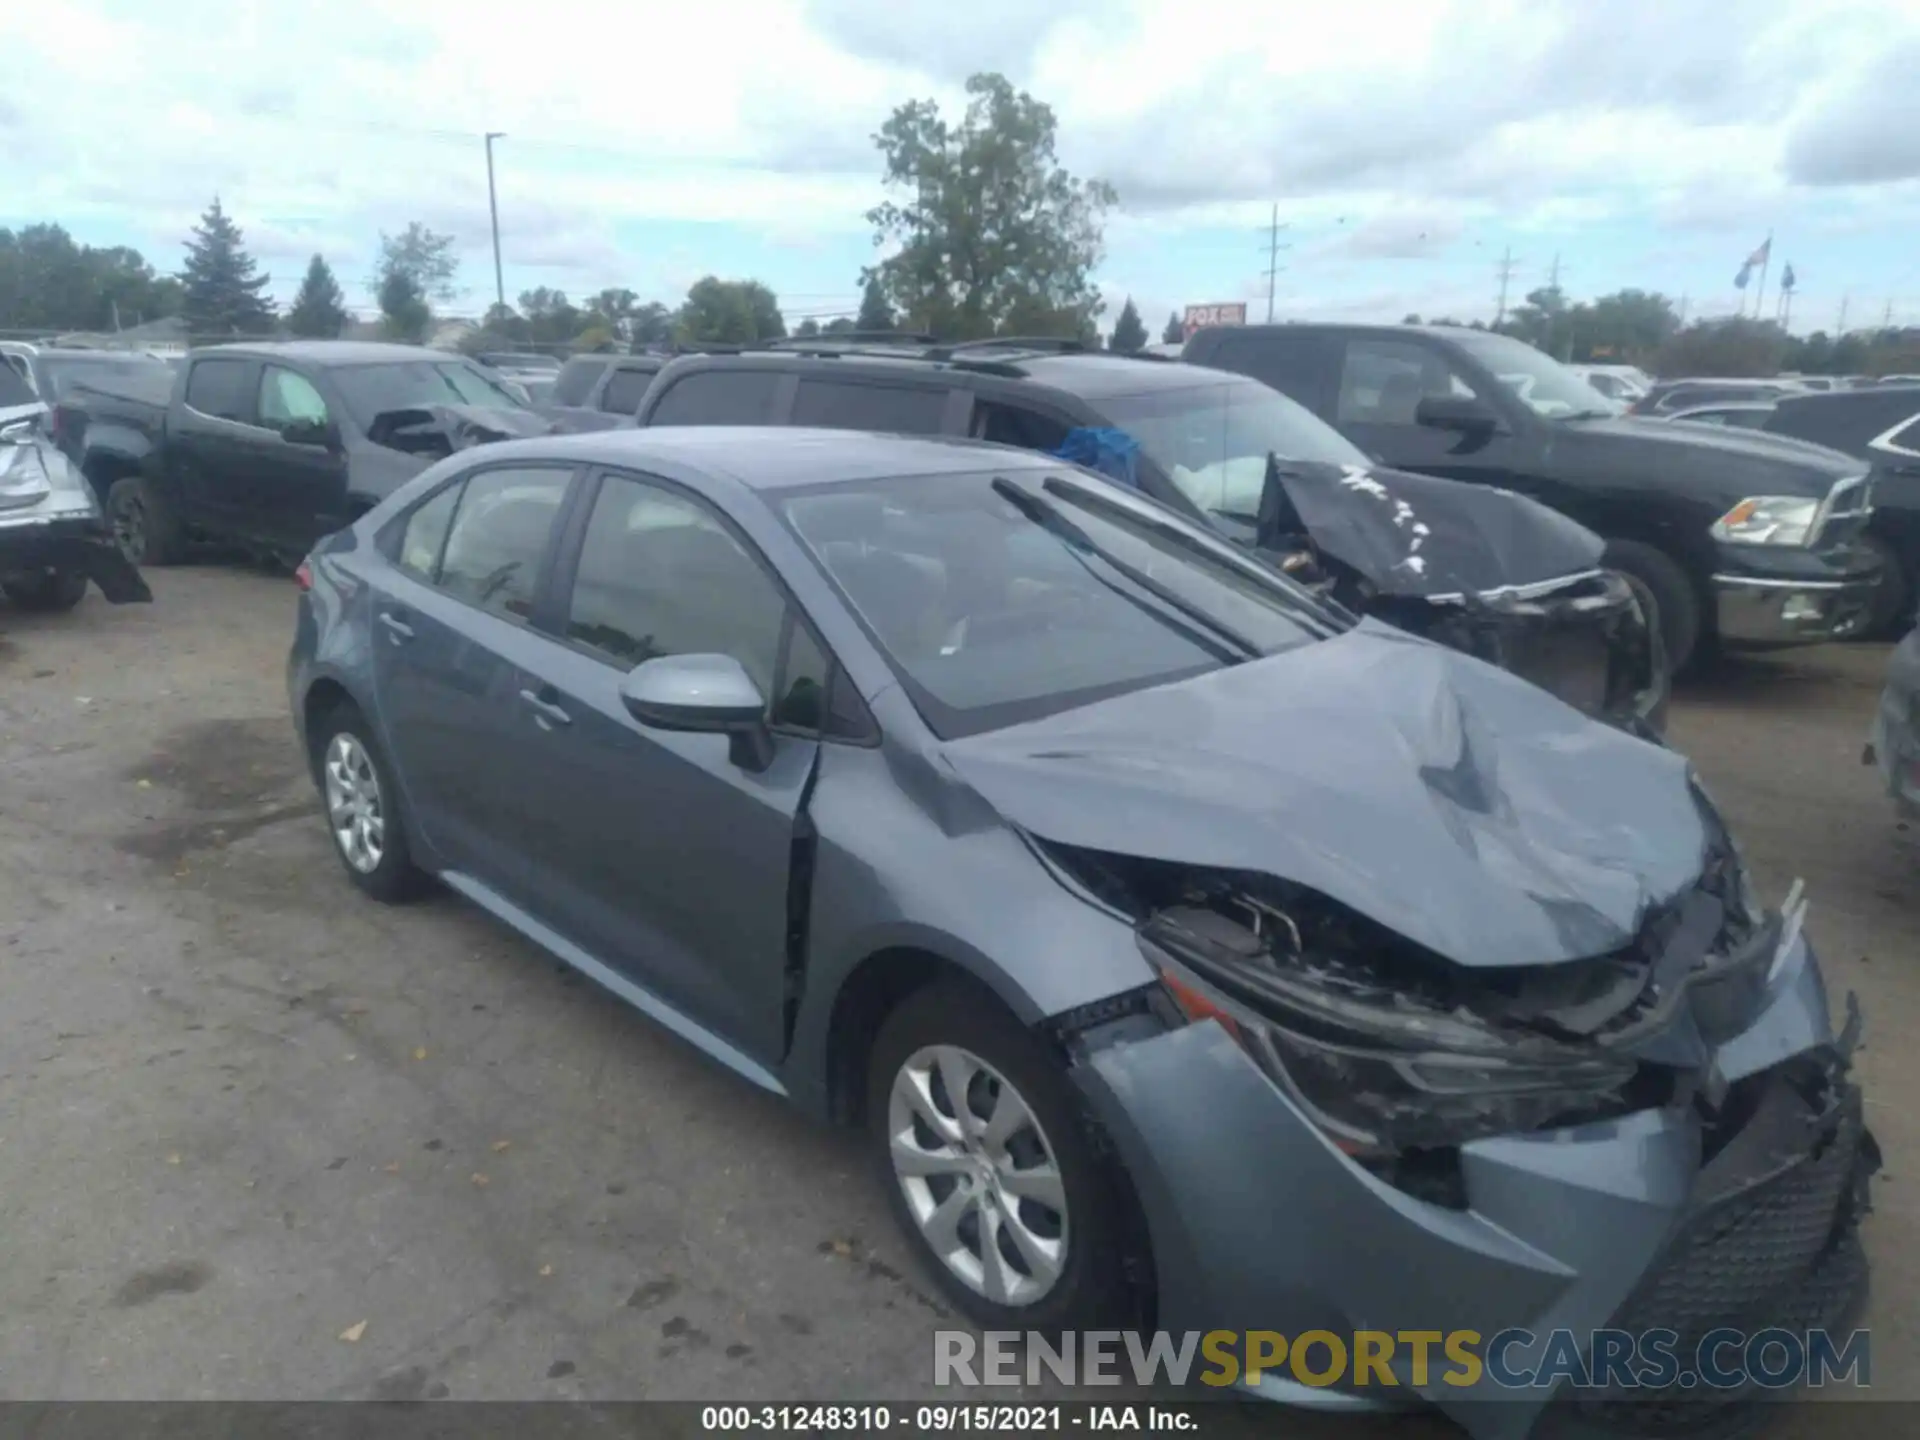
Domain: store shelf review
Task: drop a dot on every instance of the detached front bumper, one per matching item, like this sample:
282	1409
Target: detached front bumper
68	541
1681	1217
1769	597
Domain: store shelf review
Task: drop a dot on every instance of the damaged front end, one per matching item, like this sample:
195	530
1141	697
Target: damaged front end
53	538
1663	1137
434	432
1481	570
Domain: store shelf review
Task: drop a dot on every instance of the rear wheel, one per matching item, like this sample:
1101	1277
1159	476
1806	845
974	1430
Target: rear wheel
363	807
991	1166
1657	577
144	525
46	590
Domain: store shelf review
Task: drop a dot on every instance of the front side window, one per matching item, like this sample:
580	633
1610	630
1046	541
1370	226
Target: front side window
288	399
1382	382
1540	382
1002	598
1213	439
660	574
718	397
219	388
498	538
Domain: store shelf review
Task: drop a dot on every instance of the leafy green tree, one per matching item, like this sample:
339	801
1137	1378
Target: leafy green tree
552	319
1410	319
612	310
1736	346
223	289
415	268
1173	332
875	314
807	329
988	222
729	312
1128	333
839	326
650	324
319	310
404	312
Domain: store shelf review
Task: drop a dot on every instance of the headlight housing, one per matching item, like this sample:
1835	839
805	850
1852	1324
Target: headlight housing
1768	520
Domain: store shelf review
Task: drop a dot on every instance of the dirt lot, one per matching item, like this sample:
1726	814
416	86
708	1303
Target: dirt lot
244	1113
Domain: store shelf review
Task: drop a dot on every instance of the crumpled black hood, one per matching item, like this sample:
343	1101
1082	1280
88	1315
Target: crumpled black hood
1456	804
1421	535
439	430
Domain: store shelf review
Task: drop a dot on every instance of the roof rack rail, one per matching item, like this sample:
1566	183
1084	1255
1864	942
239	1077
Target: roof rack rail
1027	344
852	337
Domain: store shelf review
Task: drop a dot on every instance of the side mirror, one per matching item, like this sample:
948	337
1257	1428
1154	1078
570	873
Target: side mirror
1464	414
704	694
317	433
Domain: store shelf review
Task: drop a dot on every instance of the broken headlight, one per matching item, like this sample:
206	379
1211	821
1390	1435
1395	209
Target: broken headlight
1378	1071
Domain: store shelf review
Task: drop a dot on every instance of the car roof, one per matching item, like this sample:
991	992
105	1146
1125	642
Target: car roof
1089	374
772	457
331	352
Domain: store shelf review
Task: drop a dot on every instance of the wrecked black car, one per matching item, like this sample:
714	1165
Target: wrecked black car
53	539
1198	441
268	447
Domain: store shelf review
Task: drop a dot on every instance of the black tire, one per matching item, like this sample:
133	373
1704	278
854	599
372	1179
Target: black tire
1097	1283
49	591
1891	614
394	878
144	524
1676	603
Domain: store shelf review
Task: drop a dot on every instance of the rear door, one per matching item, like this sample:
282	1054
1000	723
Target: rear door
299	491
658	853
453	623
213	442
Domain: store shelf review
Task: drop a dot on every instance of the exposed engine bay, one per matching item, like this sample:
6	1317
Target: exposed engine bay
437	431
1396	1052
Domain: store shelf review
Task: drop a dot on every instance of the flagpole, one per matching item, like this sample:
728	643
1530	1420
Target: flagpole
1766	262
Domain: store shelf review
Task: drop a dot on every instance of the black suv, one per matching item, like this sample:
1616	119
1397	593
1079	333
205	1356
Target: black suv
1489	573
1739	536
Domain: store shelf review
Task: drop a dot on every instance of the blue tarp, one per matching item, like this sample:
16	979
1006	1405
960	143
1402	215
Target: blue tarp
1112	453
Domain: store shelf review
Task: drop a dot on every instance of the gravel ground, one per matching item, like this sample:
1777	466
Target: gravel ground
245	1114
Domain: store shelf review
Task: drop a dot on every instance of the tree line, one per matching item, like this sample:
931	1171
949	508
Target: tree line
984	233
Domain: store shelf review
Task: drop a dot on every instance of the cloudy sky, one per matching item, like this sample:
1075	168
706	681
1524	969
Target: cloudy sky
1408	146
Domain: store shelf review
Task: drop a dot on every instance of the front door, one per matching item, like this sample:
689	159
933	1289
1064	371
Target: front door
1383	381
659	853
300	482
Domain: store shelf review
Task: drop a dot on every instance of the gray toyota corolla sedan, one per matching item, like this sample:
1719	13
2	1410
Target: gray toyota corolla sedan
1194	954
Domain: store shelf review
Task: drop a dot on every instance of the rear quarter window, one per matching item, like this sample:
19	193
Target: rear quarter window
846	405
219	388
625	390
718	397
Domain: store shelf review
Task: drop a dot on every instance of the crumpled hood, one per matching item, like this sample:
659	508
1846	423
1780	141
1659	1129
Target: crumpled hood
1452	802
1423	535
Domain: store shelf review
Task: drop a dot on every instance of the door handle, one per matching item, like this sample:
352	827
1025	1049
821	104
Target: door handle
398	631
545	712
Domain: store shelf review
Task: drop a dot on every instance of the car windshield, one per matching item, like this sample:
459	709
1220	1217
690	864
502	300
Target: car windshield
1002	598
370	390
1213	440
1543	384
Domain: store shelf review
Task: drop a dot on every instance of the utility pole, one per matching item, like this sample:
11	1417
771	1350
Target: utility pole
1886	317
1553	277
1682	322
493	209
1274	247
1840	328
1506	275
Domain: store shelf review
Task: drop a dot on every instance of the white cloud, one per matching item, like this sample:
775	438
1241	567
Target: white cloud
1374	124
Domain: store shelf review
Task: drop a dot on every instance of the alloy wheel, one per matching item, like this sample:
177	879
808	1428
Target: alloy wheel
354	808
980	1176
130	528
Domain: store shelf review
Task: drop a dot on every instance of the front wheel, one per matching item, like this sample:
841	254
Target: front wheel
991	1166
1657	577
49	591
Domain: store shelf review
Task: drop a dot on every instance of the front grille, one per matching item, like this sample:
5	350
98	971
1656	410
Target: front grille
1785	1252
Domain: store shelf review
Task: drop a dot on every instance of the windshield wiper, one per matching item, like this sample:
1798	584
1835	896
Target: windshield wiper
1080	545
1120	514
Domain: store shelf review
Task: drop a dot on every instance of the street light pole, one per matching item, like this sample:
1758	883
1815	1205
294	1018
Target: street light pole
493	207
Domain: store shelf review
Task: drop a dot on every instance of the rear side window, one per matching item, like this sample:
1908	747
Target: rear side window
426	532
1293	365
219	388
718	397
625	390
576	380
844	405
499	538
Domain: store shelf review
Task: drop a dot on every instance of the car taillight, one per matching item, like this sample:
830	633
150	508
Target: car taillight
303	576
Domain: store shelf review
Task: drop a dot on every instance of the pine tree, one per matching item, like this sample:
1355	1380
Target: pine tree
223	289
875	314
1128	333
319	310
1175	331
